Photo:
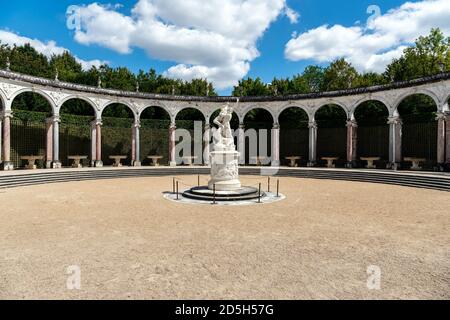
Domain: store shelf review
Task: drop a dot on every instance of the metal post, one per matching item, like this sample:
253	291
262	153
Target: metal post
177	192
198	180
173	185
214	193
268	184
259	195
278	188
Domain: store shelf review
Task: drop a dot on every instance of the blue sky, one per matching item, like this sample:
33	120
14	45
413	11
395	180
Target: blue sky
45	20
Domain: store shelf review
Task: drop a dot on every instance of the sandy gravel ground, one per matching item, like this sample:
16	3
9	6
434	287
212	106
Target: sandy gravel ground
130	243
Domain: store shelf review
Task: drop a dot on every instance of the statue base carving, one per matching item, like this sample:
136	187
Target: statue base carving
224	171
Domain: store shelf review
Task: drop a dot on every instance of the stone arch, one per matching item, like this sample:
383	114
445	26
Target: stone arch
31	127
258	135
294	133
79	97
155	121
366	99
117	133
417	111
37	91
2	102
288	106
371	116
76	129
153	105
332	132
205	116
125	103
254	107
425	92
331	102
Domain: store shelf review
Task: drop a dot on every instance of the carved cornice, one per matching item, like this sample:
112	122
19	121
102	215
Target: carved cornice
139	95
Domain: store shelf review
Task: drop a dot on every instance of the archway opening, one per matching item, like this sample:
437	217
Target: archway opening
75	130
373	131
154	134
419	130
331	134
31	113
294	134
192	120
258	126
117	119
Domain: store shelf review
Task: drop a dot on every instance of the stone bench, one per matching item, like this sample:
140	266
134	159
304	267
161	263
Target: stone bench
155	160
77	160
31	161
415	162
330	161
117	160
370	161
293	160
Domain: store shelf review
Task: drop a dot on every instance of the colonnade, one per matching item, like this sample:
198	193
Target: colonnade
57	93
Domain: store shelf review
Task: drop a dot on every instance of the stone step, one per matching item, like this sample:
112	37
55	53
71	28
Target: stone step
409	180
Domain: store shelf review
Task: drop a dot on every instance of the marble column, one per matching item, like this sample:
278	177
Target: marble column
241	143
1	139
56	164
172	144
6	145
93	142
207	141
49	143
395	142
275	145
447	140
136	147
98	144
441	138
352	141
312	143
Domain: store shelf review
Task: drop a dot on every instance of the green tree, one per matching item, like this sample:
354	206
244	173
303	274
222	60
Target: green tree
429	55
339	75
69	69
251	87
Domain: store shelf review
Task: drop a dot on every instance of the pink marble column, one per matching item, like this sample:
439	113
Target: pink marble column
276	145
7	164
93	143
441	130
49	143
98	133
447	138
133	144
352	140
172	159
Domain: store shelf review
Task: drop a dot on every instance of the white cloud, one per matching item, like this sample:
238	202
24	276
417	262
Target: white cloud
48	48
214	39
292	15
372	47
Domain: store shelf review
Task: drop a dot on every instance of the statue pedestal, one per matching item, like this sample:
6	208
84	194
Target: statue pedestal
224	170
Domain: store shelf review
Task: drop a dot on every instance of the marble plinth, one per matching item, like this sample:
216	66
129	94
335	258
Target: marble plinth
224	171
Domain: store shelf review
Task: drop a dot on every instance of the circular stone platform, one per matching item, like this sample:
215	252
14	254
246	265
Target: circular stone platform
201	195
205	194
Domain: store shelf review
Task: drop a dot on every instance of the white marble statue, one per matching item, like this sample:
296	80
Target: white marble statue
223	137
224	157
